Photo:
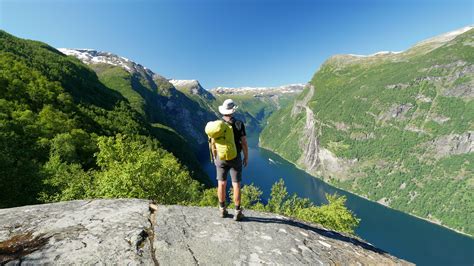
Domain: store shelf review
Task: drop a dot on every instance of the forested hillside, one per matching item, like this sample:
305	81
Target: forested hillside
396	128
66	135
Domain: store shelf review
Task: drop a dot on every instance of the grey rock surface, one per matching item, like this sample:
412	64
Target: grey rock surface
80	232
130	232
453	144
194	235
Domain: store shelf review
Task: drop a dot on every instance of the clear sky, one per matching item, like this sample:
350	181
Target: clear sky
230	42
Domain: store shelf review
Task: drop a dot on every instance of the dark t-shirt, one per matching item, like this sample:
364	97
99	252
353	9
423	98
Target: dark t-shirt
239	131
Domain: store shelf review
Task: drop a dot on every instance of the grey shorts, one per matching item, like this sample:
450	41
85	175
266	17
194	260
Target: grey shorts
233	166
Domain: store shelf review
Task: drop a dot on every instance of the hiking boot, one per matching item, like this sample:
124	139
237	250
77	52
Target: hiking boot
222	212
238	215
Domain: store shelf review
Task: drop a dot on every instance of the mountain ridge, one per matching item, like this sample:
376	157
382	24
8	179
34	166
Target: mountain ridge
368	115
436	40
153	94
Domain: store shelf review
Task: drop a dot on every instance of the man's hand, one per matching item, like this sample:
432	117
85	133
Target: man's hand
245	162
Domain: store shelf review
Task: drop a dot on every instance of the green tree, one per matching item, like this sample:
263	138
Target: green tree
136	167
208	198
65	181
277	197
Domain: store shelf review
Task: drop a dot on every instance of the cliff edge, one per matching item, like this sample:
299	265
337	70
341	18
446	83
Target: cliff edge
131	231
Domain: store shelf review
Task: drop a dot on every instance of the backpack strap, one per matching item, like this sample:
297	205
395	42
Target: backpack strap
238	124
234	122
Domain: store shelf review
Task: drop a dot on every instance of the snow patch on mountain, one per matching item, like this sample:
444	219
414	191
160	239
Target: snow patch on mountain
192	86
184	82
91	56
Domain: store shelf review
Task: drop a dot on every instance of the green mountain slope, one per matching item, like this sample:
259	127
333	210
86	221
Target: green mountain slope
149	93
396	128
257	104
167	110
63	133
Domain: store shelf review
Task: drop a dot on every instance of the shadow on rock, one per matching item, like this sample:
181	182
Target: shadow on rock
320	231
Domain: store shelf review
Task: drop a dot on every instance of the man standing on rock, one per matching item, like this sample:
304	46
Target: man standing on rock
234	166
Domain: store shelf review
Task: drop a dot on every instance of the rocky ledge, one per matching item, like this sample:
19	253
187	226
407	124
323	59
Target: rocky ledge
129	231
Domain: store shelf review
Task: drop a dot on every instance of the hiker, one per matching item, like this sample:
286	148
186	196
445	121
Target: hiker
226	159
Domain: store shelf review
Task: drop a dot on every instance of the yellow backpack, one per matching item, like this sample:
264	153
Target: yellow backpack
223	136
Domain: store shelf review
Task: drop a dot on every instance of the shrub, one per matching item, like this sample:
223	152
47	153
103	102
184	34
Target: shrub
136	167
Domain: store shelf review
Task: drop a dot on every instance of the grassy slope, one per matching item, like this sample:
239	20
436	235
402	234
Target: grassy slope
395	164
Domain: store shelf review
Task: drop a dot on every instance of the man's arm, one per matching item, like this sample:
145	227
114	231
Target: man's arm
245	149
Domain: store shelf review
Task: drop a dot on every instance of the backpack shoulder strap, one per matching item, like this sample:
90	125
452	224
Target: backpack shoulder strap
238	124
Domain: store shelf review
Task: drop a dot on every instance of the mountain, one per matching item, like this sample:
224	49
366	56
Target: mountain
65	134
178	118
132	231
193	90
394	127
256	104
192	87
150	94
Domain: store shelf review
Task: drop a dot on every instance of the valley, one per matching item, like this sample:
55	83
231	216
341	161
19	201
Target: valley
394	128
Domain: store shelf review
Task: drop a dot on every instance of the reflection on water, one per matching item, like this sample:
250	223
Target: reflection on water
400	234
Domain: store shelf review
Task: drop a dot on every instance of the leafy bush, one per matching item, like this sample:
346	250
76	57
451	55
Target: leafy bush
65	181
333	215
208	198
138	168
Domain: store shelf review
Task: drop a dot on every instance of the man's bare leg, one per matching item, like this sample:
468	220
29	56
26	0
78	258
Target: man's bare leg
221	186
236	187
238	211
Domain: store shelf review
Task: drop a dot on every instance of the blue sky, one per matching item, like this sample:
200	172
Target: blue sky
230	42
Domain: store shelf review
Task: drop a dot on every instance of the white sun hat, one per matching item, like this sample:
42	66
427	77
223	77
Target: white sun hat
228	107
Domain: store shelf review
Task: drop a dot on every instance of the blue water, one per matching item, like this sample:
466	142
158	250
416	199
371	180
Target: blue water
402	235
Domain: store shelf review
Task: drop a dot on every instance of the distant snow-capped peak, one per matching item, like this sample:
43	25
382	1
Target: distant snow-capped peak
290	88
90	56
297	85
